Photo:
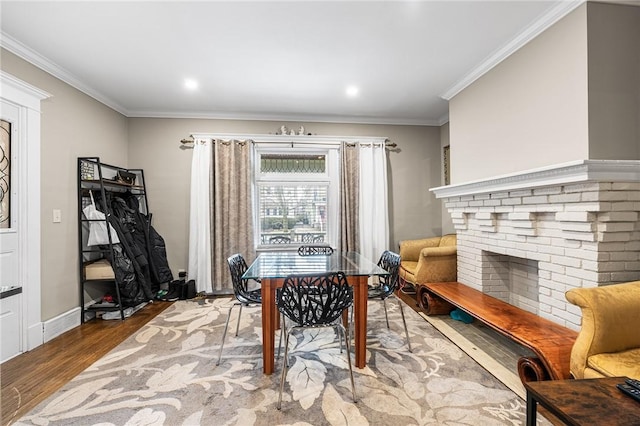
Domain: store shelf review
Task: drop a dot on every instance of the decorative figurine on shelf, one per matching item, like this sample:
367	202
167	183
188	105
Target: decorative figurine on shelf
292	132
283	130
301	130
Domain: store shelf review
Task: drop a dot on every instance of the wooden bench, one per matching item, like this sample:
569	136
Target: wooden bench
550	342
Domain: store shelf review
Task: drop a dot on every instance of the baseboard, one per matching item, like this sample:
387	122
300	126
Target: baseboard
63	322
34	336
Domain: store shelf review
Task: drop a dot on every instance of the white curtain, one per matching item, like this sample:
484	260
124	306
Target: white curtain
373	205
200	216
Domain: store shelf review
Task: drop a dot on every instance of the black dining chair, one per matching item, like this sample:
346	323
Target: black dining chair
244	296
387	285
314	300
279	239
312	250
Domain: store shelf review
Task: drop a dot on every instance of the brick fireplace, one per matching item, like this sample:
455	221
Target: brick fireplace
527	238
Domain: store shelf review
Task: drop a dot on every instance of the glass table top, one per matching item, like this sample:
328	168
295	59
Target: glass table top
281	264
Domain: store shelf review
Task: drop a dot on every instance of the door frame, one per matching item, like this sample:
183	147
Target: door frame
27	98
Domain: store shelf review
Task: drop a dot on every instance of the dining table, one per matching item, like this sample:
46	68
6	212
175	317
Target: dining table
271	268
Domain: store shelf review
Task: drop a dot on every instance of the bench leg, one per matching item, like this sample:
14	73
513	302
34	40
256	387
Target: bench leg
432	304
531	369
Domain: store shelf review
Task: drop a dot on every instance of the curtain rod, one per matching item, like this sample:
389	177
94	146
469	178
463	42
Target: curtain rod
298	140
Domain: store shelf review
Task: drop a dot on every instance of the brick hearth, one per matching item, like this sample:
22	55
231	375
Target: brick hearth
527	238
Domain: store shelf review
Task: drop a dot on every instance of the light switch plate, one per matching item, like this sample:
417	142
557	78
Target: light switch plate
57	215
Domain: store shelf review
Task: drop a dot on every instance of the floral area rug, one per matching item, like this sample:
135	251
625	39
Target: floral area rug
166	375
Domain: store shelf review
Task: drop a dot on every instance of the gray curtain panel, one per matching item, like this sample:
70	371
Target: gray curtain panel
349	188
232	223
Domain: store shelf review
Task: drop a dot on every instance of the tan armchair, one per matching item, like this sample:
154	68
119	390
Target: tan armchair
429	260
608	344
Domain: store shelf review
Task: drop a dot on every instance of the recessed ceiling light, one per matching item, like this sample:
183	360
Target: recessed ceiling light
352	91
190	84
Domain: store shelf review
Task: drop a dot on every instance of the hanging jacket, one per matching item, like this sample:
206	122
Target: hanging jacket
129	264
133	243
131	294
156	251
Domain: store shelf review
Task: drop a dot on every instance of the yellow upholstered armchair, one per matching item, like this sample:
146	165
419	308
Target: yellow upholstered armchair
608	344
428	260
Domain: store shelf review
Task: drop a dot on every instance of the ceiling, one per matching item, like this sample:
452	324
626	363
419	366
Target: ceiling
287	61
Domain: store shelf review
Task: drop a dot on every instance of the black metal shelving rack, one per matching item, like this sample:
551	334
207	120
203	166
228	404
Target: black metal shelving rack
94	175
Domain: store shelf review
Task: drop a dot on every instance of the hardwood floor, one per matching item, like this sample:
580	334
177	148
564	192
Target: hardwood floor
30	378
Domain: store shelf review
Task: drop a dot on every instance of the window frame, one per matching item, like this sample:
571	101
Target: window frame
330	178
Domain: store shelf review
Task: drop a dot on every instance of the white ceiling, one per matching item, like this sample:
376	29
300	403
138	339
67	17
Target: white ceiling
274	60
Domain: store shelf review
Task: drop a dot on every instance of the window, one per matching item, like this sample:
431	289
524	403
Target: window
5	174
296	196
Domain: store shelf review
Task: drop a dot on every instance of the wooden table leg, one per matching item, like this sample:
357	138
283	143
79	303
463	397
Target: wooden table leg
531	409
360	295
268	291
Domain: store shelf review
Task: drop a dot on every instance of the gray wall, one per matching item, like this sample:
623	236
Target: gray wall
527	112
72	125
447	223
572	93
614	81
414	167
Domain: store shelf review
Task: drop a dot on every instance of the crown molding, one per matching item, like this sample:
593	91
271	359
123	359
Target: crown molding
548	19
557	174
347	119
443	119
14	46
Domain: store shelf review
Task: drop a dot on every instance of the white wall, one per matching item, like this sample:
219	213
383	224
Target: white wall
527	112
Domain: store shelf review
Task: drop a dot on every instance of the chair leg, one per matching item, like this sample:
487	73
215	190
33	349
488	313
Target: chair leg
386	316
406	330
283	327
284	369
346	339
224	333
238	325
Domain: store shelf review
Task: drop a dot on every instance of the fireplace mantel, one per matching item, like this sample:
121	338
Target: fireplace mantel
557	174
526	238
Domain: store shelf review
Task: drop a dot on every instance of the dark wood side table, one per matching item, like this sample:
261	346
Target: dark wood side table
583	402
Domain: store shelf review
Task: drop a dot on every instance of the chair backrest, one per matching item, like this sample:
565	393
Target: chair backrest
448	240
390	262
314	299
311	250
279	239
237	267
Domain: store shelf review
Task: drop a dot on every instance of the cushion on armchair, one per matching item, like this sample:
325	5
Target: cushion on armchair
608	343
429	260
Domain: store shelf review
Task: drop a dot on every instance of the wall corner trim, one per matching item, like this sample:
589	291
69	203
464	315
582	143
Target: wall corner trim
552	16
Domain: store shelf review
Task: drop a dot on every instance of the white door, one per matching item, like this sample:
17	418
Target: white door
10	285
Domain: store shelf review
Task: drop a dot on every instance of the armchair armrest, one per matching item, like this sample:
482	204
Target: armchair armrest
437	264
437	251
610	321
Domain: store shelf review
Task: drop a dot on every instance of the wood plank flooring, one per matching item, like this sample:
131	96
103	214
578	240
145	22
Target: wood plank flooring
31	377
